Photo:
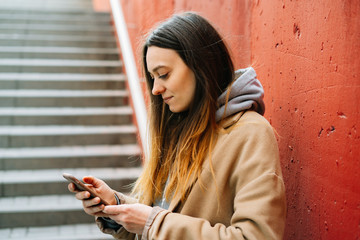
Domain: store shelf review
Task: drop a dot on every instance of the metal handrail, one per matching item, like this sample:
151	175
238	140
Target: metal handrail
131	70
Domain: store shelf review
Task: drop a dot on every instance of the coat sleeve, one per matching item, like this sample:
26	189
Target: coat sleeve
259	197
120	233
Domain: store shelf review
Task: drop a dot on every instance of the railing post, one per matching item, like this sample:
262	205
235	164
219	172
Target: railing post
131	70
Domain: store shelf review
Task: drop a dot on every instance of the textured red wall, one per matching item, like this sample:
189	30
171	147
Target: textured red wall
306	54
231	18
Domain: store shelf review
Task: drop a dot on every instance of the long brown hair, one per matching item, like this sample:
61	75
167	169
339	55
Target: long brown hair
180	142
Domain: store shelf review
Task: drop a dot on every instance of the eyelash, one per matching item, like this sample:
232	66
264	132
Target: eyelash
164	76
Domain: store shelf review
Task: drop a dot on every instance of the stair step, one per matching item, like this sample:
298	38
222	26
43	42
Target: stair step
34	49
55	175
33	17
66	116
41	211
15	8
60	232
62	98
17	39
72	151
63	130
54	203
66	38
44	6
47	203
65	111
49	6
56	29
59	52
62	65
57	62
91	119
49	1
61	77
39	93
62	81
50	181
47	136
126	155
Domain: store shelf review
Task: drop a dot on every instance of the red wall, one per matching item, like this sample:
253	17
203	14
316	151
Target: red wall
231	19
306	54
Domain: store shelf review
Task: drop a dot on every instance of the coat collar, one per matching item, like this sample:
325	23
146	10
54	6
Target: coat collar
231	120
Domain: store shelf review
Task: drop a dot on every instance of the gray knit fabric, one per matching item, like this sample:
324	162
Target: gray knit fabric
245	93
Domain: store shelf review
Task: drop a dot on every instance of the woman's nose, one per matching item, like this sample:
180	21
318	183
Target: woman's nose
158	88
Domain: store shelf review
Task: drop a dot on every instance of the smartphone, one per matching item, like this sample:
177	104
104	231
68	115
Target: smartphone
83	186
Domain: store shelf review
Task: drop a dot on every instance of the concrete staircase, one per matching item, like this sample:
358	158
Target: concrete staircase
63	108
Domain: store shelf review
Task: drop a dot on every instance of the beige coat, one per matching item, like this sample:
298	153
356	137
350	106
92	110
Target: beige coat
247	200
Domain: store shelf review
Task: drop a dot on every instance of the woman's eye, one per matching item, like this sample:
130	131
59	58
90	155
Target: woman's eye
164	76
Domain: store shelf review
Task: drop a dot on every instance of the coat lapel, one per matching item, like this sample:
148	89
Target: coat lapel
176	200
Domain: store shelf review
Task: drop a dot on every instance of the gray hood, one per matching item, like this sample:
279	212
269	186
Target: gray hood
246	93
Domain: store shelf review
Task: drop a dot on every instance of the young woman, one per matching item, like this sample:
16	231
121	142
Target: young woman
213	169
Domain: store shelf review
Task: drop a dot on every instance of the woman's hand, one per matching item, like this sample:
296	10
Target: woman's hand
92	206
131	216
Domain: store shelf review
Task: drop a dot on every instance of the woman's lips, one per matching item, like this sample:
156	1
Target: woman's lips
167	99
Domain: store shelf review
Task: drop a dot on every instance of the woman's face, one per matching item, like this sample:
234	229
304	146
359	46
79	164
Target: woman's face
173	79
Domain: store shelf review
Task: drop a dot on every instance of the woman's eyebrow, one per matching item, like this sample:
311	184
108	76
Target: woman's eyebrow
157	68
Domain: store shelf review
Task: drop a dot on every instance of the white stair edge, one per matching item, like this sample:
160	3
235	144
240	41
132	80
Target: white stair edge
59	63
71	151
69	2
39	93
56	27
47	1
62	130
58	232
35	49
66	111
45	9
55	175
105	19
31	204
61	77
35	5
47	37
63	17
38	4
